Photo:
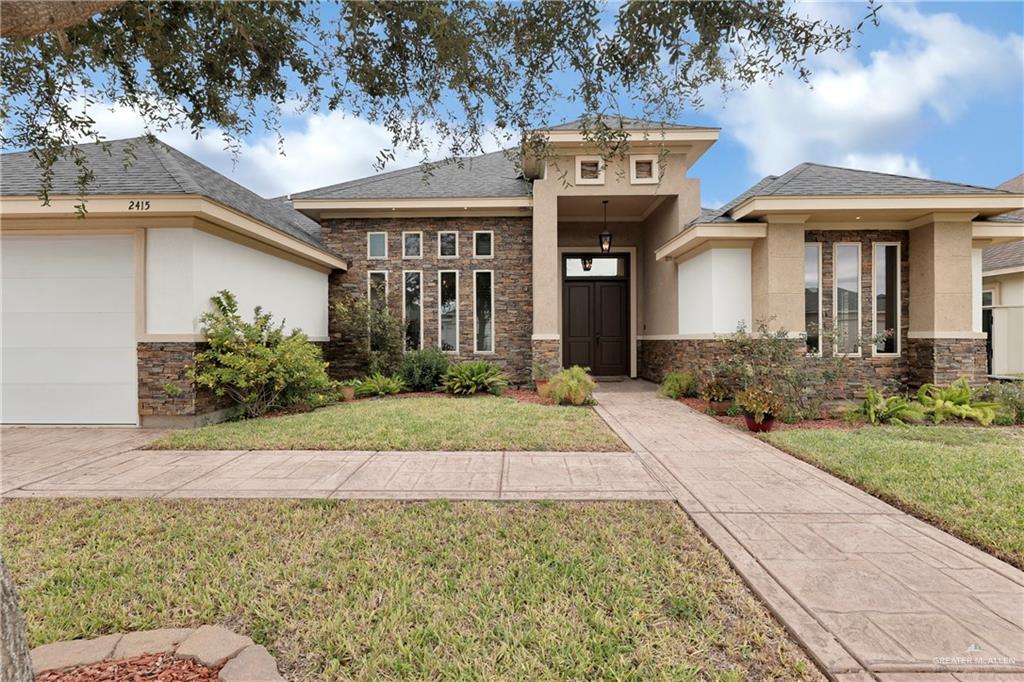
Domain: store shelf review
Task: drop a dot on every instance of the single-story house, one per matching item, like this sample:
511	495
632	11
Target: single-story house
1003	297
533	263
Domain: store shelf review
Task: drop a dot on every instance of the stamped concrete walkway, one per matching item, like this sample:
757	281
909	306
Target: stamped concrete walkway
873	593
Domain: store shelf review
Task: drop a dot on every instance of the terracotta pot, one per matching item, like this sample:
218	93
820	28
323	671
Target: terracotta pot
765	425
720	406
348	393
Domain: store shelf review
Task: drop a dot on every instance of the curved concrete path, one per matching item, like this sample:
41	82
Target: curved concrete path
871	592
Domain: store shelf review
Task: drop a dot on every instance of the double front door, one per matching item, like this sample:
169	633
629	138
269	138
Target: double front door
595	325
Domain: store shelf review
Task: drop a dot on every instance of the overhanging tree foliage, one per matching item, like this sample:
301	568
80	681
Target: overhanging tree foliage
440	76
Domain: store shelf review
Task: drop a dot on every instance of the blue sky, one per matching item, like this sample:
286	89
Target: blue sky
937	90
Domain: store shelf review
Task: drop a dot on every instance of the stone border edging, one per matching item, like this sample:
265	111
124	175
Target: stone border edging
237	656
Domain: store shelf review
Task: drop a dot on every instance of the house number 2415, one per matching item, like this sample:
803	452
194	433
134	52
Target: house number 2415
138	205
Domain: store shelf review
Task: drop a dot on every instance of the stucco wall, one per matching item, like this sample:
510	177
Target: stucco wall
185	267
714	292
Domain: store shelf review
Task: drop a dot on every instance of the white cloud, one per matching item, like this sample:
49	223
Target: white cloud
319	149
864	112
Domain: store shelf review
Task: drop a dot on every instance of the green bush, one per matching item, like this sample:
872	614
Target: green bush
373	332
716	390
877	409
760	403
424	370
571	386
1009	398
256	364
677	385
468	378
379	385
956	401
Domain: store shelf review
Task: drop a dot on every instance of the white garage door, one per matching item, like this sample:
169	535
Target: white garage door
68	330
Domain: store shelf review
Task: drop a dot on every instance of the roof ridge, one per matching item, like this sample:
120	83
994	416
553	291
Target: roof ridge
178	172
796	171
897	175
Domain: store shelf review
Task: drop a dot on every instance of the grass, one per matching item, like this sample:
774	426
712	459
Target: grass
428	423
969	481
370	590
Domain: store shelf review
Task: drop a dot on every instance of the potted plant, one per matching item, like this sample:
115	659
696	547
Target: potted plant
717	394
541	376
348	390
760	405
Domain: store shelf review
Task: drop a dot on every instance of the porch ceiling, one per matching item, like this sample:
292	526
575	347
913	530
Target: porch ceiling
621	209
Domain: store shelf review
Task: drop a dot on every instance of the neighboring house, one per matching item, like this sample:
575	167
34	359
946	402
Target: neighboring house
1003	297
530	263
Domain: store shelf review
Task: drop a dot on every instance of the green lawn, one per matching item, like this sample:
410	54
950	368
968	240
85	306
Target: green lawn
371	590
969	481
429	423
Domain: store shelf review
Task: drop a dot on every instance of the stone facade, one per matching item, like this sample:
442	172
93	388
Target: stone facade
659	357
513	290
547	357
165	390
941	361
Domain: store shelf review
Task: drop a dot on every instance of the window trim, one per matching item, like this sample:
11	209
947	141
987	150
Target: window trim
655	169
988	291
440	320
479	232
369	284
835	297
369	254
405	306
580	180
406	256
441	232
821	299
494	338
899	299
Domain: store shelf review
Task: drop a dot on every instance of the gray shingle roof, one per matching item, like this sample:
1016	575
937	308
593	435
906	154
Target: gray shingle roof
1009	255
630	124
487	175
815	179
156	169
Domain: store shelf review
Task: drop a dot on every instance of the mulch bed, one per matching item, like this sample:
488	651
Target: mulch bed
156	667
740	423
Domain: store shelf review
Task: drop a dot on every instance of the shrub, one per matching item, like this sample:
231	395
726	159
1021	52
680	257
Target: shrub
379	385
572	386
424	370
877	409
469	378
956	401
677	385
759	402
1009	398
373	331
716	390
256	364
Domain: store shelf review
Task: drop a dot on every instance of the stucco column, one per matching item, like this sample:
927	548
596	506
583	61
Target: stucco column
942	342
546	339
777	274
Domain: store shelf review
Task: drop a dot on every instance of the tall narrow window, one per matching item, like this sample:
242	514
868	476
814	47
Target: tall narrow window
413	310
448	310
846	298
812	296
377	288
483	311
886	273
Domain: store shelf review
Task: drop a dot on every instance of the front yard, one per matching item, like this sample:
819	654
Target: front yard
969	481
370	590
422	423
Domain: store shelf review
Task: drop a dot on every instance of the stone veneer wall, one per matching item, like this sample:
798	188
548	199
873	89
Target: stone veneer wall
920	360
547	357
164	364
512	265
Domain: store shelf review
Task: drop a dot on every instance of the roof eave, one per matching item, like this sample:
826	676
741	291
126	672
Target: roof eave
983	204
415	207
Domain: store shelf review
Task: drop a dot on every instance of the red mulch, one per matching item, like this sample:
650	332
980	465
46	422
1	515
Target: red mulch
525	395
156	667
740	423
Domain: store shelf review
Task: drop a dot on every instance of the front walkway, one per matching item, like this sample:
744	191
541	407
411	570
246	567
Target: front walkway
871	592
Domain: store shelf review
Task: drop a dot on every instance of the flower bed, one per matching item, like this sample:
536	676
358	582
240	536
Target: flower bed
162	667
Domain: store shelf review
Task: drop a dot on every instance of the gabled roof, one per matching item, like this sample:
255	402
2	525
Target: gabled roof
623	123
1001	256
815	179
157	168
487	175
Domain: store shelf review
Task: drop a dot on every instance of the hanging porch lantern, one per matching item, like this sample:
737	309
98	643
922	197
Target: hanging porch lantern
606	236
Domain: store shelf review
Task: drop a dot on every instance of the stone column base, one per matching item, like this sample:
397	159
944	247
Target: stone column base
941	361
166	395
547	357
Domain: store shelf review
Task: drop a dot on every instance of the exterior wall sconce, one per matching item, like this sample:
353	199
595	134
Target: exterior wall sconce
588	263
606	236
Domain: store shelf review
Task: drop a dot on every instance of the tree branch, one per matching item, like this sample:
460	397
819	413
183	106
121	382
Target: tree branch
27	18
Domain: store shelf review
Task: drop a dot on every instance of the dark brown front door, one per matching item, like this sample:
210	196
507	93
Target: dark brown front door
595	326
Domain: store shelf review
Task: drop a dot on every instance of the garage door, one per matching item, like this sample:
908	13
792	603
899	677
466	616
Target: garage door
68	330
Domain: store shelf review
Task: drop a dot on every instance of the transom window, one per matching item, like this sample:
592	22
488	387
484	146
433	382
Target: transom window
483	244
599	266
448	244
412	245
377	245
